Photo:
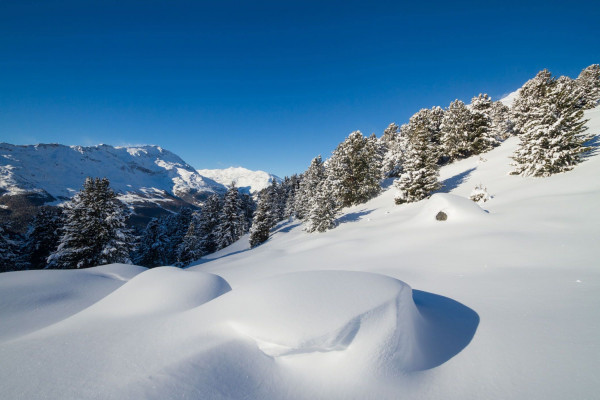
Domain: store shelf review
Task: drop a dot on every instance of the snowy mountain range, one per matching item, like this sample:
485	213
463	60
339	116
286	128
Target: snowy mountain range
246	180
148	178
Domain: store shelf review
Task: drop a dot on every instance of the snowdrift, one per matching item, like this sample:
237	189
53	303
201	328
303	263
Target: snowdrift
457	209
305	327
161	290
31	300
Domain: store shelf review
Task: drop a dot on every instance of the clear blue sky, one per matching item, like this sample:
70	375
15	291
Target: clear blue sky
266	85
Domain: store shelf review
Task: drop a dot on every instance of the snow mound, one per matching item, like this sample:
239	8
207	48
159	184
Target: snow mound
328	311
32	300
160	290
456	208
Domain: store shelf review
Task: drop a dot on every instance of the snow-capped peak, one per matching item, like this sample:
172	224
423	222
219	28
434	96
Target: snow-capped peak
245	179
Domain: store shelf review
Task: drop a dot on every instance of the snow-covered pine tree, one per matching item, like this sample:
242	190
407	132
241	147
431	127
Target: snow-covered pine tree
323	209
502	126
190	248
208	221
248	208
553	138
44	236
261	224
455	127
481	138
420	169
432	120
354	169
231	219
277	201
95	232
311	179
10	257
530	100
392	144
154	246
292	187
589	83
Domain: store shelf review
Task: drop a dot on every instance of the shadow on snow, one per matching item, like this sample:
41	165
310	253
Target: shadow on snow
453	182
450	327
352	217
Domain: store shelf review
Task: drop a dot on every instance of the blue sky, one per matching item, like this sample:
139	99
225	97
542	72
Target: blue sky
266	85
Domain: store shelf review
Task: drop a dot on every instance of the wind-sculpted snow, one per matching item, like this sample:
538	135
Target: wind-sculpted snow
320	311
160	290
294	326
31	300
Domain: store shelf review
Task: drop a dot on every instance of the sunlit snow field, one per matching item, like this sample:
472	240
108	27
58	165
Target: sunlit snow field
500	301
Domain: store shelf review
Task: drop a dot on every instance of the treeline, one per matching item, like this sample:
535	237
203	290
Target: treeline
91	230
547	116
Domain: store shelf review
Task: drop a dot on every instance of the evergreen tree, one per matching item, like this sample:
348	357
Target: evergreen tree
553	138
354	170
431	120
530	100
292	187
277	201
44	236
261	224
248	208
154	246
231	220
392	145
208	222
455	132
502	126
190	248
421	170
10	258
311	179
323	210
588	82
481	136
94	231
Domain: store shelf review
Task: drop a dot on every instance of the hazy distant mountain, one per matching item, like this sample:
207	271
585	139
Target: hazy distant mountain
247	180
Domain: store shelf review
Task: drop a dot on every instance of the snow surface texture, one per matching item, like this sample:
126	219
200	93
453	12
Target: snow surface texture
246	180
505	305
145	172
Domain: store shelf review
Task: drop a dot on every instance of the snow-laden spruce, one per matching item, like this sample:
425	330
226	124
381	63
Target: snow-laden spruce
232	222
589	84
95	232
549	116
312	177
354	169
261	224
420	169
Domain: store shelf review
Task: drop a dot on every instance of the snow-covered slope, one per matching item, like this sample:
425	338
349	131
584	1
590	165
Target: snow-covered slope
509	99
247	180
500	301
139	173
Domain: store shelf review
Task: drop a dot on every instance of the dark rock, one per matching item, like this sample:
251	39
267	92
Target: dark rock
441	216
